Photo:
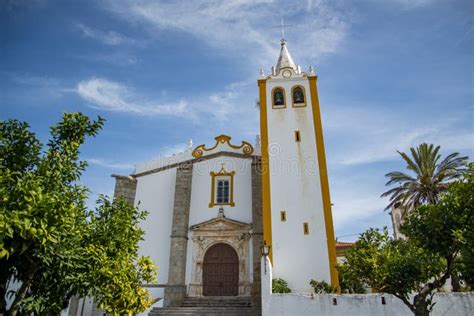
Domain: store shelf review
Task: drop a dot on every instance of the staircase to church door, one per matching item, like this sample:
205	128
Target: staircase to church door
221	271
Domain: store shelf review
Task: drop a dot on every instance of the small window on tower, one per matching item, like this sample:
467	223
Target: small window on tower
283	216
278	96
298	96
306	228
297	136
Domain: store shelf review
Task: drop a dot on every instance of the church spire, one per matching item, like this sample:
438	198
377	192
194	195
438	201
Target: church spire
285	60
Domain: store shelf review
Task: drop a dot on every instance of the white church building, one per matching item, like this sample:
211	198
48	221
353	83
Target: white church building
213	207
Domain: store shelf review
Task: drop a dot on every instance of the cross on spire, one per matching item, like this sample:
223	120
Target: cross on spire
282	26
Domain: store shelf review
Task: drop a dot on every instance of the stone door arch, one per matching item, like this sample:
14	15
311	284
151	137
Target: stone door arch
217	231
220	271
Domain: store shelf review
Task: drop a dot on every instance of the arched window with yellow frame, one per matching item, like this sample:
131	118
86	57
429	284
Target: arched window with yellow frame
298	96
278	98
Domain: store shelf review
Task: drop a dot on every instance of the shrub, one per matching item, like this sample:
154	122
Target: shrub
322	287
280	286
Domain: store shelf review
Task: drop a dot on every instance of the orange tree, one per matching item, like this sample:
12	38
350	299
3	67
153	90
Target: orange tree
439	241
51	246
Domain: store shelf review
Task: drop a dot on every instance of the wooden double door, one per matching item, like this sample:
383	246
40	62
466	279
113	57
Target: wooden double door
221	271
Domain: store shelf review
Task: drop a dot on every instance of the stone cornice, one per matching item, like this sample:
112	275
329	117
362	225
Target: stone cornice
191	161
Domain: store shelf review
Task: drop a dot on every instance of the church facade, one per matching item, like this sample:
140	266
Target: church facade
213	207
204	229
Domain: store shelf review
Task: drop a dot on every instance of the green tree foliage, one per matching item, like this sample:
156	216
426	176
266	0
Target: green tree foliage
322	287
349	283
50	244
465	261
439	241
447	227
429	178
280	286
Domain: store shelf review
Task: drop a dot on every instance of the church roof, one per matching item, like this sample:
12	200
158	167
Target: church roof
222	146
343	247
285	60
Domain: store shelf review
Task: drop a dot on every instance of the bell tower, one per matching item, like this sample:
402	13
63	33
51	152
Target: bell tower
297	216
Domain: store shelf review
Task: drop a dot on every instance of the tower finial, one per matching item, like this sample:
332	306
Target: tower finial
285	60
282	30
282	26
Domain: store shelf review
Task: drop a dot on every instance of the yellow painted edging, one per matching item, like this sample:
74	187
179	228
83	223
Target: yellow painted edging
222	172
324	182
265	168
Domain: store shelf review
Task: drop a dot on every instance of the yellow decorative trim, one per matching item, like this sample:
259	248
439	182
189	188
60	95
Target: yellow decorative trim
222	172
265	168
273	101
331	242
247	149
298	105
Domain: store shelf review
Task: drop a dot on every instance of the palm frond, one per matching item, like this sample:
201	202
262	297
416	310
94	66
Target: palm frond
430	176
398	177
412	165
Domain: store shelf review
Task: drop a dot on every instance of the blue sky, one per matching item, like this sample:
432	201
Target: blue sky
392	74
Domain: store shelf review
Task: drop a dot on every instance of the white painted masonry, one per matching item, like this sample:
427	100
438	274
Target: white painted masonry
200	196
295	187
296	304
155	194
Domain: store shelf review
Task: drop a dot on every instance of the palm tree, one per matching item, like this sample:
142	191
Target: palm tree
430	177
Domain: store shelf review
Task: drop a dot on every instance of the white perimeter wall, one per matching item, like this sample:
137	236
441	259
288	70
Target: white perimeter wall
295	187
201	196
452	304
155	194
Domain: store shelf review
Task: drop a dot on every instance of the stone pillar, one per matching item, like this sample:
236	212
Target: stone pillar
125	186
175	292
257	228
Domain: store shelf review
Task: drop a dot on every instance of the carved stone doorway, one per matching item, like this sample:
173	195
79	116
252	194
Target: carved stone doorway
221	232
221	271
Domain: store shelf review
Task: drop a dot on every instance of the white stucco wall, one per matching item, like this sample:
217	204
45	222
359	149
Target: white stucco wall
292	304
295	188
201	190
201	196
155	193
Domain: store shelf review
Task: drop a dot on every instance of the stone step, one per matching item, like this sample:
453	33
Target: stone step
211	306
206	311
217	302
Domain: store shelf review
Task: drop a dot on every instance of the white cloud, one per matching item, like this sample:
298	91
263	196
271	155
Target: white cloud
37	81
111	38
116	58
411	4
351	207
219	108
367	136
46	85
243	28
169	151
109	165
112	96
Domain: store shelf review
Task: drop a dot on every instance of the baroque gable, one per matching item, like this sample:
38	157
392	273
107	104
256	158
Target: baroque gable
223	144
220	224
